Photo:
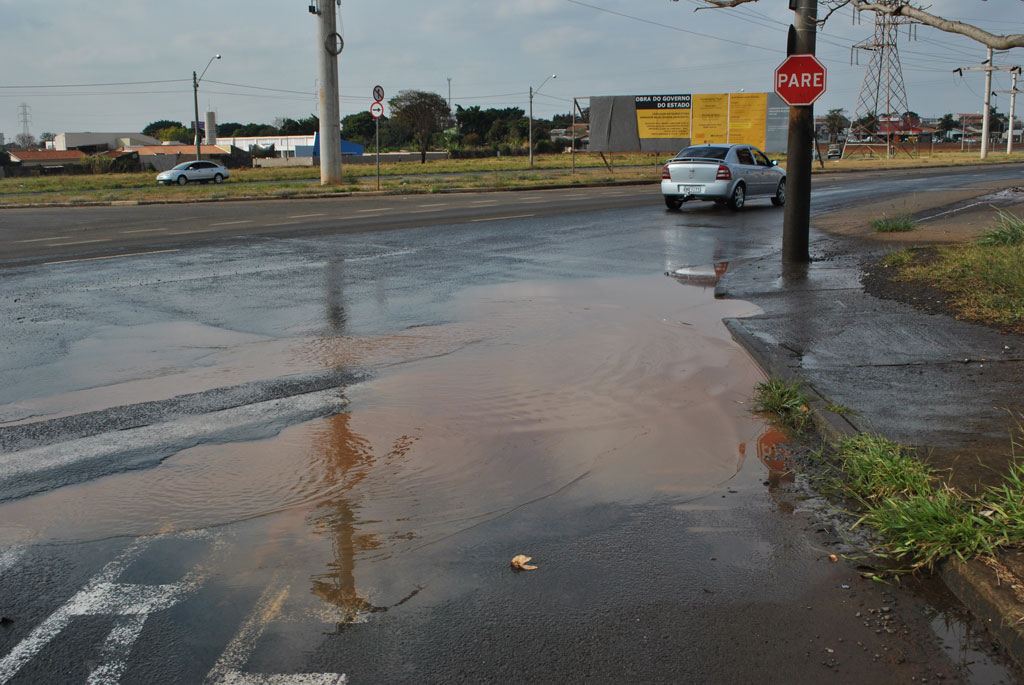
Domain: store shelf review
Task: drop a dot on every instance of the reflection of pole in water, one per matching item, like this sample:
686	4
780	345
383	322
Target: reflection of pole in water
347	459
333	279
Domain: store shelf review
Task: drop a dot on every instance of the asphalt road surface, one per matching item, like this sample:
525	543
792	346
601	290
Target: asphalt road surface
301	441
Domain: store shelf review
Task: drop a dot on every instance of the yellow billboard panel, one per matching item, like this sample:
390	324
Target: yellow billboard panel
663	116
710	118
748	118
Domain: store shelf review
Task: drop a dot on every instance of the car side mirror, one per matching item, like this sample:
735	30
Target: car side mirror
775	162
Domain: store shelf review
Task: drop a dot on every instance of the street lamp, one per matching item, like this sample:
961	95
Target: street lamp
195	92
532	91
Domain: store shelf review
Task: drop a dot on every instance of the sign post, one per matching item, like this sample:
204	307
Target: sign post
800	80
808	86
377	111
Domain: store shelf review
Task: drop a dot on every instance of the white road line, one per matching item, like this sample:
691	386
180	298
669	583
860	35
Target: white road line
9	557
170	434
80	242
192	230
40	240
436	204
144	230
484	202
102	596
228	669
113	256
501	218
425	211
232	223
305	216
379	209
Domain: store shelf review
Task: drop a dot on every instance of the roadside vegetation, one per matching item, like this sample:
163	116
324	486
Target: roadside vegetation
785	402
984	278
899	224
400	177
917	519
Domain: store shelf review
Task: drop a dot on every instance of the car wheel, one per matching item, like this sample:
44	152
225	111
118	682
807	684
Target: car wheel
673	202
219	178
182	180
780	194
739	196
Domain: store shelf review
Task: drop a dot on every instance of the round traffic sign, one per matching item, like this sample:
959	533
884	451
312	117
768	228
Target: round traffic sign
378	93
377	110
800	79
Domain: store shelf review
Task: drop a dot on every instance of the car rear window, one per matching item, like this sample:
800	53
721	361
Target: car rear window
704	152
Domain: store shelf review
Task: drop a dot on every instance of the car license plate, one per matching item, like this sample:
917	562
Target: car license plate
691	190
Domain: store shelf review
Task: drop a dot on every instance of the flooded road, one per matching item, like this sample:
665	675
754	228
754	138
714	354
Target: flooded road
314	459
603	387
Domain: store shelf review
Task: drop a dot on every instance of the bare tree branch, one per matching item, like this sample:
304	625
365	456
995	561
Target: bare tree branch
1015	40
905	9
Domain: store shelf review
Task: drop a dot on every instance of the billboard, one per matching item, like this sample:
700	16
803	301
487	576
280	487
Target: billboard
670	122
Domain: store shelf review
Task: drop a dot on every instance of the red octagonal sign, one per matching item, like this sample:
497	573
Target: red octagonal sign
800	79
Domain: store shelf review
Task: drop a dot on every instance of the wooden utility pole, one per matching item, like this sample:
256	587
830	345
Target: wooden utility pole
797	215
329	47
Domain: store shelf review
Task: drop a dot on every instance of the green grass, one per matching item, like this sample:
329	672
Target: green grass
984	279
786	402
920	519
899	224
1009	230
840	409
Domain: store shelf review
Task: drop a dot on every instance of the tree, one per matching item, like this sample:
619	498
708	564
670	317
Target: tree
152	128
24	141
866	124
359	128
423	113
174	134
46	137
947	123
904	9
835	123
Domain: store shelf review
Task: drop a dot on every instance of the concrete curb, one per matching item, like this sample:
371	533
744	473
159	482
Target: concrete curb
975	583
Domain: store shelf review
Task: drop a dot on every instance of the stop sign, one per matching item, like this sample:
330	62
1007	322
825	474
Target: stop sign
800	79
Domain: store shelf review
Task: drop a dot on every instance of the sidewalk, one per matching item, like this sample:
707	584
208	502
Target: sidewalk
954	390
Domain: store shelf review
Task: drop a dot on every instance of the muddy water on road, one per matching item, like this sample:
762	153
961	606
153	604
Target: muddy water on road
602	389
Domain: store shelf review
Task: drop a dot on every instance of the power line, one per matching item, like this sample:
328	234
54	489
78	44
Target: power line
669	26
97	85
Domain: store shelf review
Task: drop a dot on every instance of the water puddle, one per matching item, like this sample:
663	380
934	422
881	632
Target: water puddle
605	389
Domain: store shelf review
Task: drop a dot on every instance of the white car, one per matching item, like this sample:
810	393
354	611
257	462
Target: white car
187	172
727	174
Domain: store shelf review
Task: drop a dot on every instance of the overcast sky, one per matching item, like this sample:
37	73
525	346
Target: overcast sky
493	51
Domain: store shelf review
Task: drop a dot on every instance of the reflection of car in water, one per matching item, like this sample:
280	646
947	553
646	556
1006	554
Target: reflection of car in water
706	275
727	174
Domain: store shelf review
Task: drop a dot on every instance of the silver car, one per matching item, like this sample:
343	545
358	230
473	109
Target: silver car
187	172
726	173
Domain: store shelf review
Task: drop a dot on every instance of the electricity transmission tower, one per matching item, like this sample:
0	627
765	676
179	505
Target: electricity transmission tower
882	93
24	119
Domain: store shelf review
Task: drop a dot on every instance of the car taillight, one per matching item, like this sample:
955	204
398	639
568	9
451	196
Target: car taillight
664	172
723	173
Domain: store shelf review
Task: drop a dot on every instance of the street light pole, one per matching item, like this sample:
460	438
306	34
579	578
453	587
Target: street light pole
195	94
532	91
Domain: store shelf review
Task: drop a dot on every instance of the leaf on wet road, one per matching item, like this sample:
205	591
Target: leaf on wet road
520	562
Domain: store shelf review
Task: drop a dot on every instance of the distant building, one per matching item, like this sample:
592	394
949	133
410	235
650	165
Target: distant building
46	158
101	142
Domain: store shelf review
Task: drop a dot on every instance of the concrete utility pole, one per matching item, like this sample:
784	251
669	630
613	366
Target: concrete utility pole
796	224
987	114
532	93
329	46
1013	103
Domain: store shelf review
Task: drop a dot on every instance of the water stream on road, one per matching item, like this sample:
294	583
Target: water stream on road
630	388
